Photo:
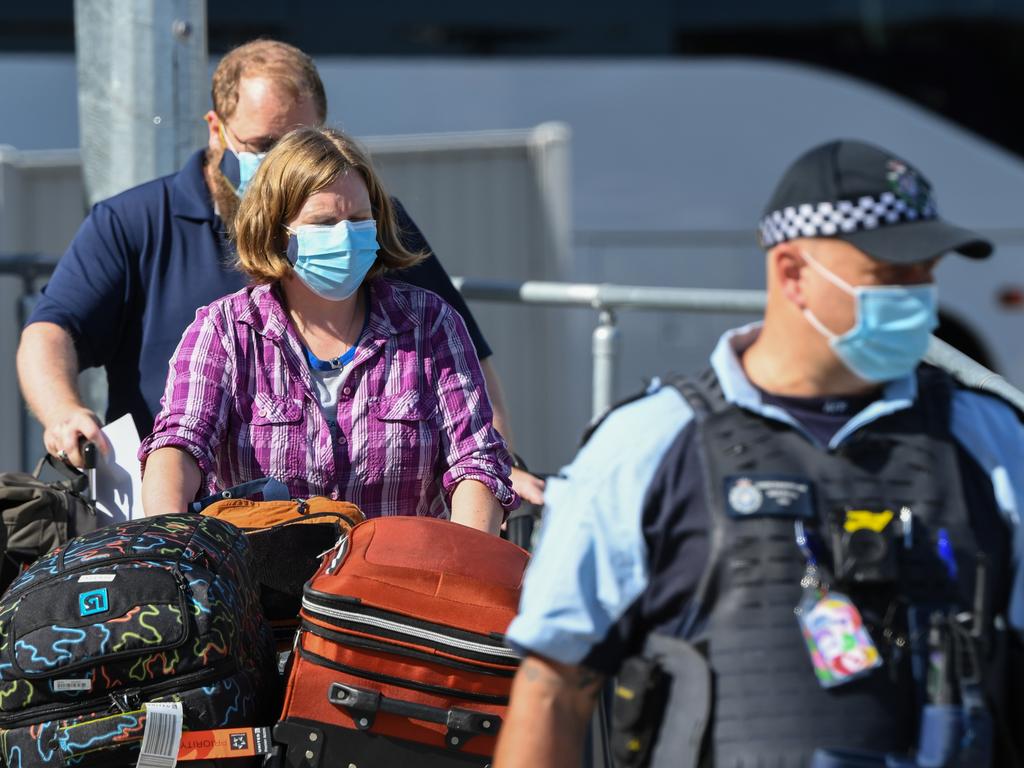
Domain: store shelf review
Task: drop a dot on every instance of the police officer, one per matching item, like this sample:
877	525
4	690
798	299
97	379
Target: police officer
807	554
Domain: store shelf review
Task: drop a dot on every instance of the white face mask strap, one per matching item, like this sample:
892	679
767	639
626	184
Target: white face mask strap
836	281
828	275
818	325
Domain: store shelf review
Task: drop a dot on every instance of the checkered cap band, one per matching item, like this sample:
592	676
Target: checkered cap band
835	219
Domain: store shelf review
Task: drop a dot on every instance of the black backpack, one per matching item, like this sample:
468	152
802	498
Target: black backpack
149	611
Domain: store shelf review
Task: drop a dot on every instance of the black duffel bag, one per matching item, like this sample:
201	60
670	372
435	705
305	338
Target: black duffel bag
39	515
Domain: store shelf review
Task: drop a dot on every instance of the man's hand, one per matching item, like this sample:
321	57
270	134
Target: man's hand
529	487
547	717
48	375
66	430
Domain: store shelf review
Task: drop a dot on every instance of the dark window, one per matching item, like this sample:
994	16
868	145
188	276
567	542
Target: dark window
960	58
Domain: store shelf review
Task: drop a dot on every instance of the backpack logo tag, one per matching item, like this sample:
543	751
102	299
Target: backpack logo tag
92	602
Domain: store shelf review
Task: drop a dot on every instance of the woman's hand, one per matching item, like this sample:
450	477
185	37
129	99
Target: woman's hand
170	482
474	505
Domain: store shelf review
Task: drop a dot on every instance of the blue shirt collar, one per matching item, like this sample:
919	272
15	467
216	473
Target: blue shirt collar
190	198
737	388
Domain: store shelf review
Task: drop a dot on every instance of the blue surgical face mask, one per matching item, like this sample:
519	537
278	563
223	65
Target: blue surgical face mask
891	333
333	260
239	167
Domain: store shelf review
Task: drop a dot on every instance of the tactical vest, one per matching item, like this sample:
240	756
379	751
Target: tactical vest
767	708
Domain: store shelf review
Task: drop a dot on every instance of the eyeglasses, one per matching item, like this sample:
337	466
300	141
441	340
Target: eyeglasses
259	146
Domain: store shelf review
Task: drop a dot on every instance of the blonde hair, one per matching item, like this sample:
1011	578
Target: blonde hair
285	64
303	162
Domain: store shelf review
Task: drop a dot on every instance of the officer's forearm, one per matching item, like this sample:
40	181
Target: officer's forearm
48	371
547	717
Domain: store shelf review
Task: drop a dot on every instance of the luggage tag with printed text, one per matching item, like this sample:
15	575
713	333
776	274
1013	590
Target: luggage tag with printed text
839	645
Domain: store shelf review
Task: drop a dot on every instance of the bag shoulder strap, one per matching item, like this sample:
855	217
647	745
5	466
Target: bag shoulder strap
73	479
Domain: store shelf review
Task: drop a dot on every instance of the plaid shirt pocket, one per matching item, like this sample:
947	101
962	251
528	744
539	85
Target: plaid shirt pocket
406	431
271	409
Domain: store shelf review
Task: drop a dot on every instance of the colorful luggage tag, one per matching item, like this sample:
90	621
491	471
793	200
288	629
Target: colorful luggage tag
223	743
840	647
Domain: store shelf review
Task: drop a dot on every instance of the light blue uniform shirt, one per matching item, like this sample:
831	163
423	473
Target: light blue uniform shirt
591	563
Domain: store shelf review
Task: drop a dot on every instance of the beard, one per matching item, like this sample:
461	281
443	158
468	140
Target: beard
223	193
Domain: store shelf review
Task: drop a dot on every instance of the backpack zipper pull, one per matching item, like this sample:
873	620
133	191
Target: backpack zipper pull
181	580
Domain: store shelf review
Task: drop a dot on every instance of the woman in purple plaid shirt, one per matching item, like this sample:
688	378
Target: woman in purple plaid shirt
324	373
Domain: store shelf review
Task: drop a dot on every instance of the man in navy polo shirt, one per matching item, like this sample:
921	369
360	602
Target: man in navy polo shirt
146	259
770	555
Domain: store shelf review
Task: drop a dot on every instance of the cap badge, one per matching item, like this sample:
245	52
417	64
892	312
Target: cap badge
908	186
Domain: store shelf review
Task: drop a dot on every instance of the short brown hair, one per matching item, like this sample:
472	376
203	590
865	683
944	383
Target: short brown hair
284	64
303	162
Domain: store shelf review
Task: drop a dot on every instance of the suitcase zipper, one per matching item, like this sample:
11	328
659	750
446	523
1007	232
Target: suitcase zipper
491	652
365	643
377	677
120	701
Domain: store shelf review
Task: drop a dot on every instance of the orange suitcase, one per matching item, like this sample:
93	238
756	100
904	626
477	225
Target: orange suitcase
400	658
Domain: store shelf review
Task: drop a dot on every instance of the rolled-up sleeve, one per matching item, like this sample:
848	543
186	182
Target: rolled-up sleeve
471	447
194	407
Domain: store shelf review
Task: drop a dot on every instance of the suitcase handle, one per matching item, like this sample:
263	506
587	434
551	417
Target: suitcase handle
461	724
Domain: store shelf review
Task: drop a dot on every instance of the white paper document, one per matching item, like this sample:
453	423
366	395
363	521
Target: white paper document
118	483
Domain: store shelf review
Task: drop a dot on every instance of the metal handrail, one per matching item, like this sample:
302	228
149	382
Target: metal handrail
608	296
606	299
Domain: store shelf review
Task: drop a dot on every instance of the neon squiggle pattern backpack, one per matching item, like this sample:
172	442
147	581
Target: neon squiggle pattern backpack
155	610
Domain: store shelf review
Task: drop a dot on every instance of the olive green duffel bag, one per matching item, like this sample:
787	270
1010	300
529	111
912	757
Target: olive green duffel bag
39	515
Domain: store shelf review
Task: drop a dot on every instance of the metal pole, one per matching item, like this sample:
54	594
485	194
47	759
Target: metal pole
605	347
142	89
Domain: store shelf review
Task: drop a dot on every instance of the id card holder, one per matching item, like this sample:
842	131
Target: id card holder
839	644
